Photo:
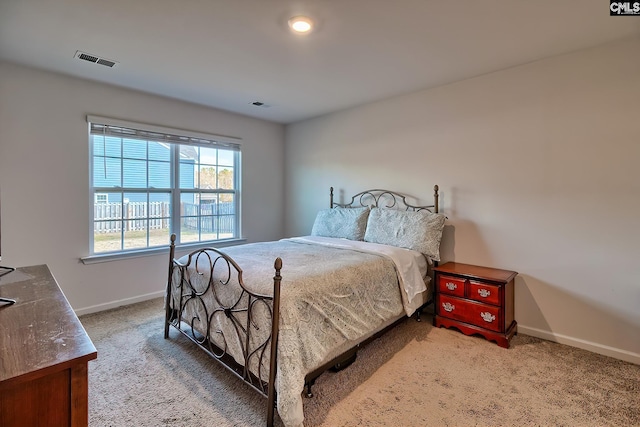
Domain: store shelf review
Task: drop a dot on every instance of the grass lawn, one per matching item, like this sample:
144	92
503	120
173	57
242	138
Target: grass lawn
108	242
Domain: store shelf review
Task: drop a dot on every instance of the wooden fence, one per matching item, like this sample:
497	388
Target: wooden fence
214	217
133	216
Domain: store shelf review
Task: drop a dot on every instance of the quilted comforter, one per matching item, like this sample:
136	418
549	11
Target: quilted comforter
335	293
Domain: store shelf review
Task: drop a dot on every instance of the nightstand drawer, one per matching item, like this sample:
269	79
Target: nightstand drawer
484	292
483	315
451	285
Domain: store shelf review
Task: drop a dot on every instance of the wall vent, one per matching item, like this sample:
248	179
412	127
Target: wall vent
95	59
260	104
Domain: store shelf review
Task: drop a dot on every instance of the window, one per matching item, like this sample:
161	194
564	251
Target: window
148	182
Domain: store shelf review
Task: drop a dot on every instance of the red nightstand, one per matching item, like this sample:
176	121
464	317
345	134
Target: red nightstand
476	300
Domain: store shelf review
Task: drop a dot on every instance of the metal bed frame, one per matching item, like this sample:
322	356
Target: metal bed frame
241	312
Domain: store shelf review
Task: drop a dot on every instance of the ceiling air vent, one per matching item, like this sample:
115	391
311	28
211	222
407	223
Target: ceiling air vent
95	59
260	104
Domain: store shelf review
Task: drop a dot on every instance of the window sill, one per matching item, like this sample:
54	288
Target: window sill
161	250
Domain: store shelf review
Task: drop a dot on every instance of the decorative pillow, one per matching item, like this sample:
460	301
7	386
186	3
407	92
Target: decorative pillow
347	223
420	231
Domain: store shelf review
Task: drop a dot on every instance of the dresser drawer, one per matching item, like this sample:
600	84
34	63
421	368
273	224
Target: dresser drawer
451	285
474	313
484	292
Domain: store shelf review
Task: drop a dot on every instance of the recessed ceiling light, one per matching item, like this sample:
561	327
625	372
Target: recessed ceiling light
301	24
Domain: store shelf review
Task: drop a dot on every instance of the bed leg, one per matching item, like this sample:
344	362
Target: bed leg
167	295
270	417
275	328
308	393
166	328
418	318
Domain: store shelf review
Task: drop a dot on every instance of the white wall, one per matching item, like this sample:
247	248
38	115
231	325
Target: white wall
538	170
45	187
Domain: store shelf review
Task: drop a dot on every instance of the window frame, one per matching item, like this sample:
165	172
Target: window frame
175	138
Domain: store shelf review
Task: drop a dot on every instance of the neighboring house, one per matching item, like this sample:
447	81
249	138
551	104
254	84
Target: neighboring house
136	177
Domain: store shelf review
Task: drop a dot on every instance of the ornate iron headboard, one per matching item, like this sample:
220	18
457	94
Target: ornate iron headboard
387	199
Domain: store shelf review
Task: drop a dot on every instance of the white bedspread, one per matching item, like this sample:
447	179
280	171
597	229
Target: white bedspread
335	293
410	265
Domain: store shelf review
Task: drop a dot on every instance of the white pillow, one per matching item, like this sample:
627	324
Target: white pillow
420	231
346	223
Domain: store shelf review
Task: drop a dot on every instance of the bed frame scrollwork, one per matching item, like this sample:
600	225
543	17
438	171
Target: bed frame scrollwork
385	199
210	264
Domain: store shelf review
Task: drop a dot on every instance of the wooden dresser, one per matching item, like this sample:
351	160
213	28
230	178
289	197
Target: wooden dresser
476	300
44	352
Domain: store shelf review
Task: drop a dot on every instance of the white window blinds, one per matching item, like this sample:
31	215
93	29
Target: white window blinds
125	129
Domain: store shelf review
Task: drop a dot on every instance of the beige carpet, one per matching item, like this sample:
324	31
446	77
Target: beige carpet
416	375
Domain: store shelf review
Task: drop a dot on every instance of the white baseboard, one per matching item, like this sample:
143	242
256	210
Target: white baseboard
118	303
616	353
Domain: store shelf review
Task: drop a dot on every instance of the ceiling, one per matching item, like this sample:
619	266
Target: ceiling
229	53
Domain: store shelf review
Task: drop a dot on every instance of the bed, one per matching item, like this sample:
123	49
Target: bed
279	314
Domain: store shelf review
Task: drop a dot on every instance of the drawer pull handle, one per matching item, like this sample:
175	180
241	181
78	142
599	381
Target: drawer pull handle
448	307
488	317
484	293
451	286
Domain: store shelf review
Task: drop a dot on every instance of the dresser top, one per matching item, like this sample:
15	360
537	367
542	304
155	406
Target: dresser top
40	332
476	271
